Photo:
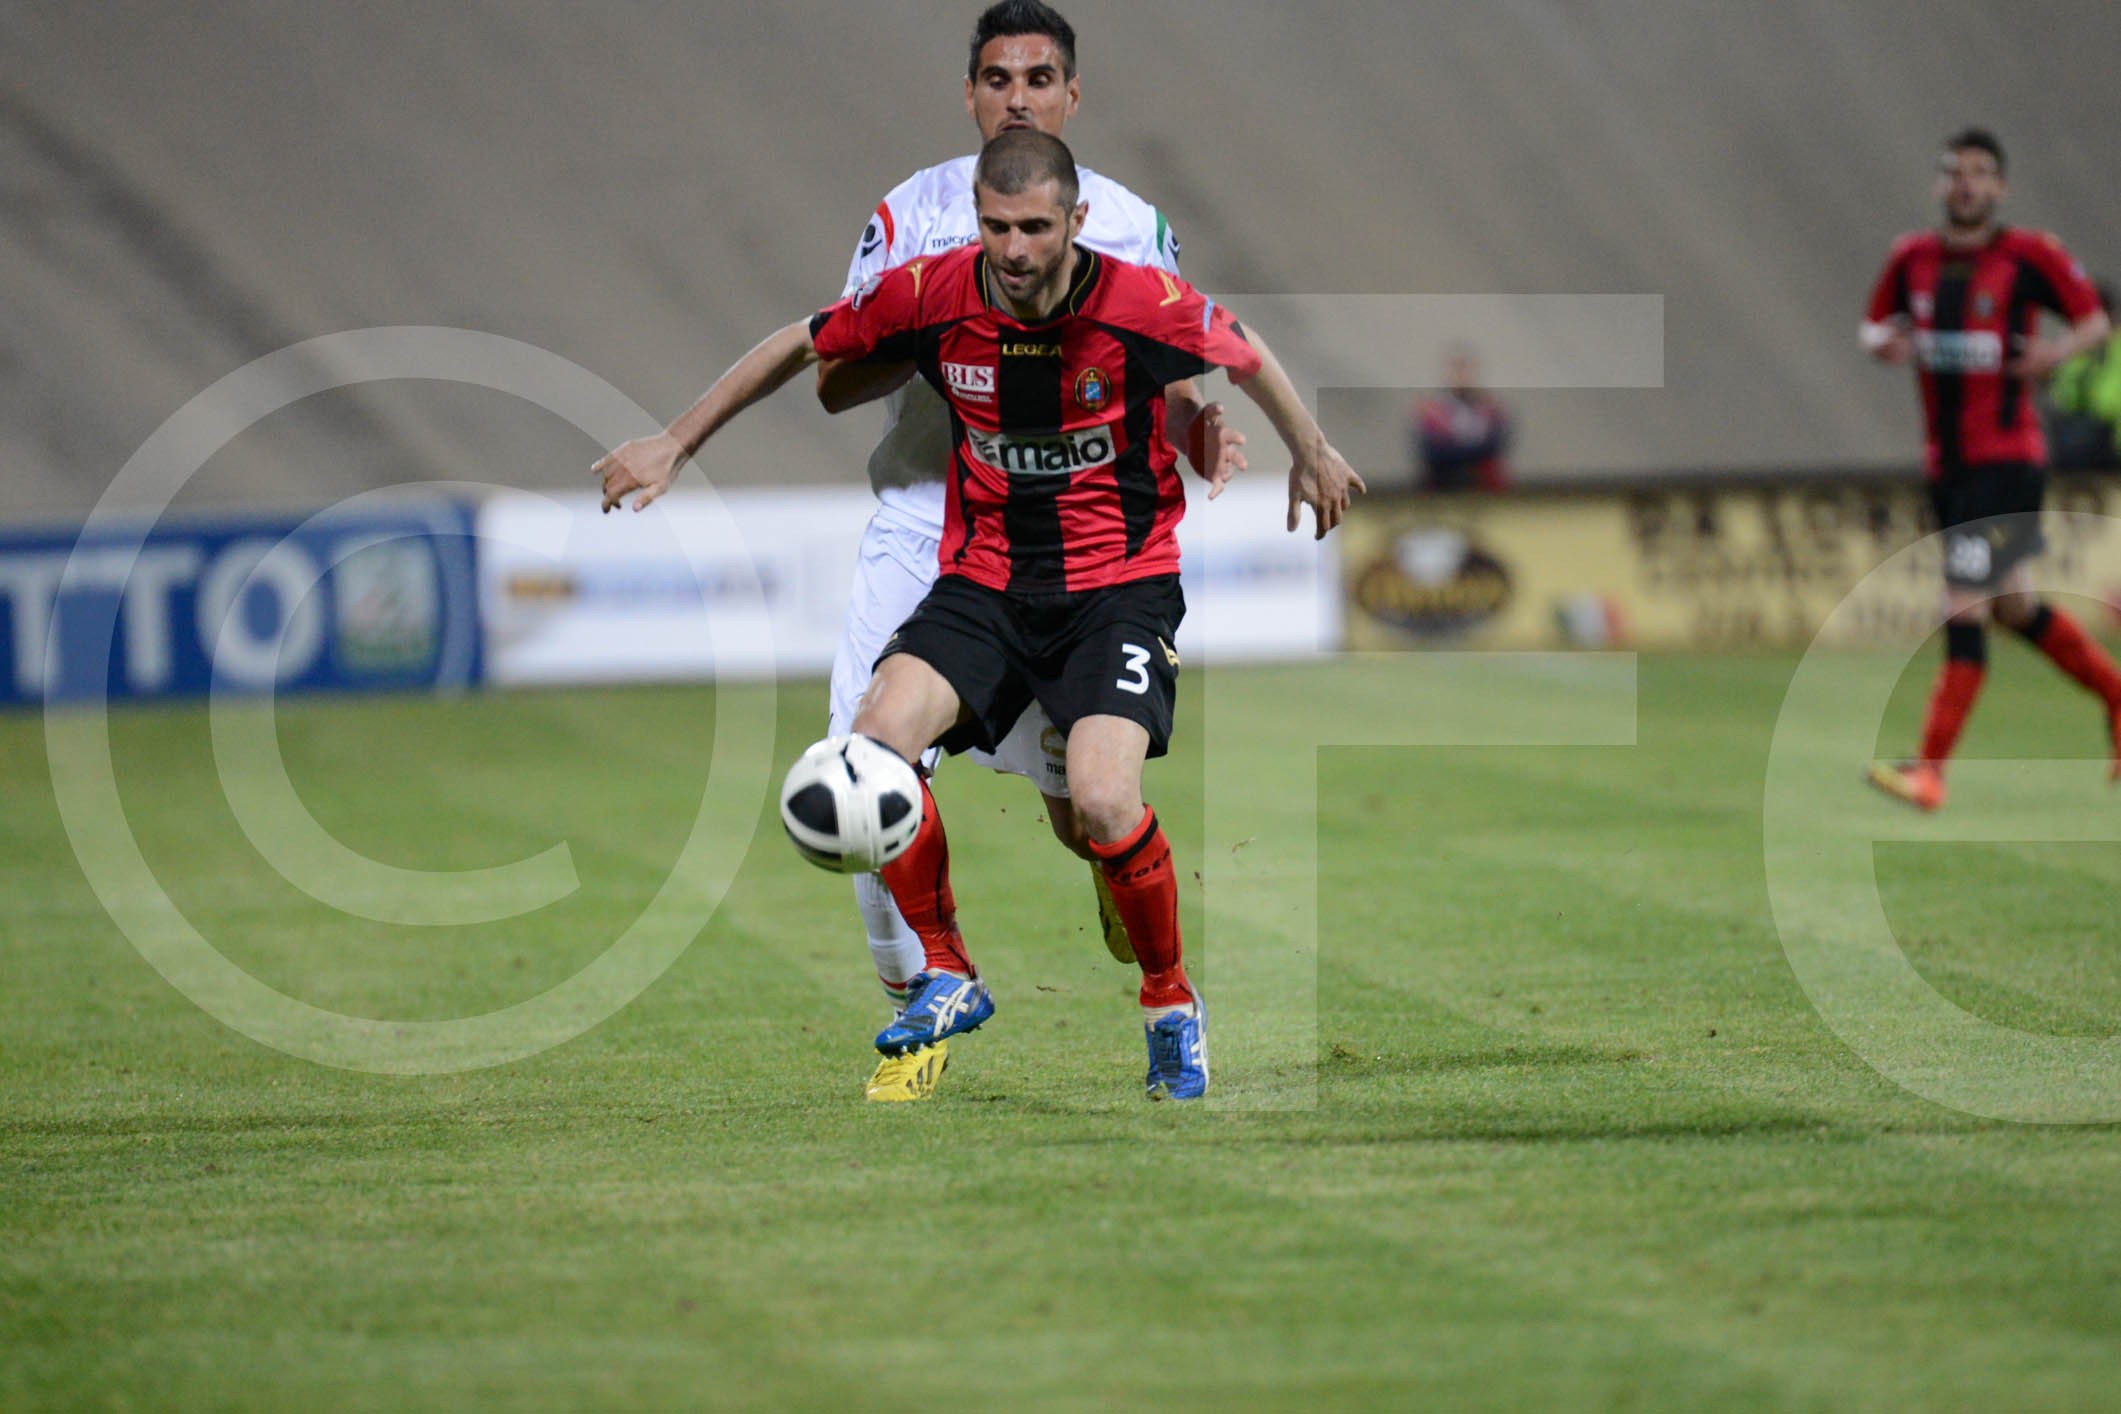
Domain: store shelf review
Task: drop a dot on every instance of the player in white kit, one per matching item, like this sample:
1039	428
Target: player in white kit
1022	74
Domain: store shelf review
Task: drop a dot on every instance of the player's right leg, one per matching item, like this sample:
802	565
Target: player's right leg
2059	636
907	707
892	572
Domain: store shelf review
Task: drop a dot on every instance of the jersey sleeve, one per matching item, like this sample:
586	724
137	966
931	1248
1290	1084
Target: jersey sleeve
1889	295
1122	224
878	323
1165	252
883	239
2067	289
1186	333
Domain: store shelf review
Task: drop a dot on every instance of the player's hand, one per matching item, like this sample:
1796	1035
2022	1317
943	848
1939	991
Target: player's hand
2035	362
1216	449
643	468
1323	481
1896	349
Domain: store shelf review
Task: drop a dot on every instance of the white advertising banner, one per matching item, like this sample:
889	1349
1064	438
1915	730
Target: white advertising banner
750	583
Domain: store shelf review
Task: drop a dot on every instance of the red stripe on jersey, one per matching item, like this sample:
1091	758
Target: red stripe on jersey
883	214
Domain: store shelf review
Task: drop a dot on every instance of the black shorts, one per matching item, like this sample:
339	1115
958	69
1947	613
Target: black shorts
1098	652
1990	516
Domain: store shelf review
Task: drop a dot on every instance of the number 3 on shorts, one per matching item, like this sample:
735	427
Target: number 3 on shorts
1137	668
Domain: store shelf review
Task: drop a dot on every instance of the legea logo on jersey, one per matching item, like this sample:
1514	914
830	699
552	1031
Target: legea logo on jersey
971	381
1042	456
1959	351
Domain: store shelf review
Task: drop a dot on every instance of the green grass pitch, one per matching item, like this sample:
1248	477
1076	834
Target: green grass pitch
1563	1130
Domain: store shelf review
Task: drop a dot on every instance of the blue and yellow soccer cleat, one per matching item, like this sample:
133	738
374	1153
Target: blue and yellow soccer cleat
1178	1053
909	1076
942	1005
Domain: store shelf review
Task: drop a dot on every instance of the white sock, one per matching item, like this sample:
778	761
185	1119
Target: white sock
893	945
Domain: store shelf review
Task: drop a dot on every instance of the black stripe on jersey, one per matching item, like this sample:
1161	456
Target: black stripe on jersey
1950	317
1163	364
2031	290
1133	473
898	348
1900	296
1027	402
959	474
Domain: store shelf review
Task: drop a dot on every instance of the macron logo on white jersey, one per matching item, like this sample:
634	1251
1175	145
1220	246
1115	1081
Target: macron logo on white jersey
971	381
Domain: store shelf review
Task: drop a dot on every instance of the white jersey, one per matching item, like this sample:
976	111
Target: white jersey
930	212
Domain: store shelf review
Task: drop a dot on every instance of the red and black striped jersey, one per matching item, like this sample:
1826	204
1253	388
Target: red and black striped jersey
1060	476
1970	312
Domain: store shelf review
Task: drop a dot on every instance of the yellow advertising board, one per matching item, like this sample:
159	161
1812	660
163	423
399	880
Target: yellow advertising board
1742	565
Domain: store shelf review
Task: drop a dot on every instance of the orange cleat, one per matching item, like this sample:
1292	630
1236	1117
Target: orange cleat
1919	783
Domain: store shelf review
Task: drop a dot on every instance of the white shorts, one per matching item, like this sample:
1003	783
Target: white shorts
891	576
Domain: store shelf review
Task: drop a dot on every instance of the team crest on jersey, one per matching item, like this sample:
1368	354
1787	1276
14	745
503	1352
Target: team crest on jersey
1984	306
1092	392
1922	303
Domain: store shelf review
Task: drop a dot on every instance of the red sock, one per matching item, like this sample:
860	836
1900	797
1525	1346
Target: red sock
1145	890
2075	652
919	881
1950	702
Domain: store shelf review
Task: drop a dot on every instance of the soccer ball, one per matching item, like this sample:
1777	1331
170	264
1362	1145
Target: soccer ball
851	804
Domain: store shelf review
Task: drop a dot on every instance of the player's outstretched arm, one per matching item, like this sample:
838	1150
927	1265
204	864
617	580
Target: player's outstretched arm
645	467
1320	476
843	384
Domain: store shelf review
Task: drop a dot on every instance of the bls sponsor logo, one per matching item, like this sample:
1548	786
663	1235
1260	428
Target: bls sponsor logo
1042	456
1970	351
970	381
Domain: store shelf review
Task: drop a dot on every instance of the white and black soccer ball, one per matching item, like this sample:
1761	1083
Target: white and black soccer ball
851	804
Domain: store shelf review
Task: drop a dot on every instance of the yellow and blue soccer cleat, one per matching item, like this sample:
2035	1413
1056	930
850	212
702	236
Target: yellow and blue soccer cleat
911	1075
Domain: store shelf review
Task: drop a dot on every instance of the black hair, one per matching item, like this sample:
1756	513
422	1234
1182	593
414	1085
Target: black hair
1024	157
1012	17
1979	139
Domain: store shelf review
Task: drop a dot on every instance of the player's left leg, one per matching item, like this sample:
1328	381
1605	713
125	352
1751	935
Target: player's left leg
1038	751
891	575
1105	756
2058	634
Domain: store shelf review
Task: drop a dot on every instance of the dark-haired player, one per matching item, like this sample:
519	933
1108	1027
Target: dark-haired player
1962	302
1059	569
1059	575
1020	73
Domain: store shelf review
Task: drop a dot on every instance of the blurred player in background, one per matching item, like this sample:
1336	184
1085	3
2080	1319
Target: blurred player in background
1462	431
1963	303
1021	74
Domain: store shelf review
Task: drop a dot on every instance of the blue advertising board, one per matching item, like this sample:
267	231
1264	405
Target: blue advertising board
382	598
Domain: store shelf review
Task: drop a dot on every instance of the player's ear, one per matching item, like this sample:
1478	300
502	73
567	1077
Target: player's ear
1075	94
1076	218
970	111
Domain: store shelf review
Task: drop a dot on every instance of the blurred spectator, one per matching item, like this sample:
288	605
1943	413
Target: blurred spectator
1461	433
2084	403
